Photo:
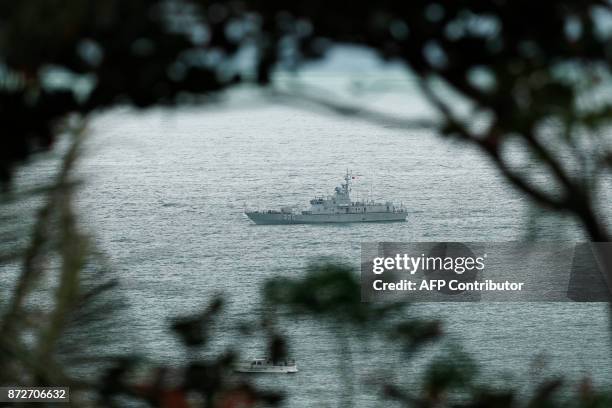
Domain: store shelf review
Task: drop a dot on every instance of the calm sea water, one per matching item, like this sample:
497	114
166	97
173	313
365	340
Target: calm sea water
164	194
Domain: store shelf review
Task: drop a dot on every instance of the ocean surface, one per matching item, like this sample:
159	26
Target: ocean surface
164	193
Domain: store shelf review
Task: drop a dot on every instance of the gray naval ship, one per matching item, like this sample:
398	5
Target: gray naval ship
333	209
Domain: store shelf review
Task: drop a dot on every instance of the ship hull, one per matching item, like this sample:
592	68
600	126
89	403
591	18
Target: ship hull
282	218
266	369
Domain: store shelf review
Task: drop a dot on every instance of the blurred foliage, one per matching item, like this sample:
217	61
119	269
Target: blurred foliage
199	382
521	65
64	307
330	291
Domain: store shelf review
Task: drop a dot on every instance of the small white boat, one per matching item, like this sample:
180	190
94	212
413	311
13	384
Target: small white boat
262	365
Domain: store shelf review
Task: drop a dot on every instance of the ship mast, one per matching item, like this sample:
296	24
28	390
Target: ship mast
347	179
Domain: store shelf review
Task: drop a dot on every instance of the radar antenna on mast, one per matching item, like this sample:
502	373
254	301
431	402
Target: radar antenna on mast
347	178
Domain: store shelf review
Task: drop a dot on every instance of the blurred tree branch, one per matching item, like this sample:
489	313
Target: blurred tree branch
31	267
574	197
